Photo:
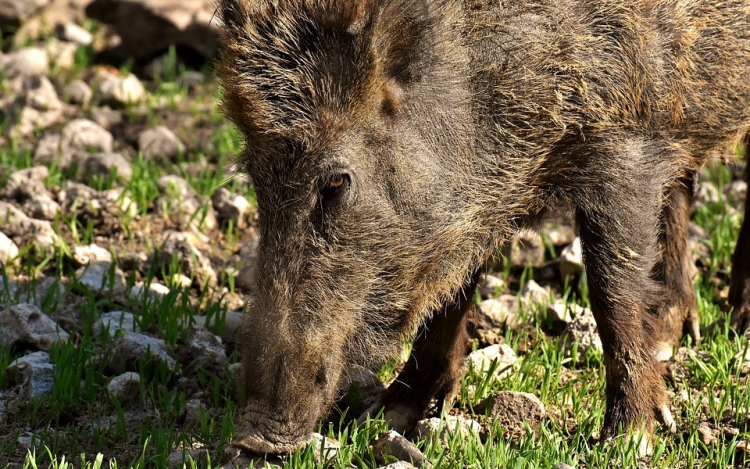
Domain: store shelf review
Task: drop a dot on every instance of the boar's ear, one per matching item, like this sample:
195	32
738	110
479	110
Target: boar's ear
351	15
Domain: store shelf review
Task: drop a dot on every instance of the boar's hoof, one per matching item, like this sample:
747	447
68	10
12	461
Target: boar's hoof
259	433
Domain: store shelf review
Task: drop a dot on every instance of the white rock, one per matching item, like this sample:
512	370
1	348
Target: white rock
129	90
501	310
28	62
451	425
491	287
514	409
483	358
61	53
114	321
159	142
37	107
71	32
392	444
134	348
25	324
125	387
85	255
534	294
571	259
582	329
85	135
78	92
34	373
15	12
8	249
230	206
102	164
98	276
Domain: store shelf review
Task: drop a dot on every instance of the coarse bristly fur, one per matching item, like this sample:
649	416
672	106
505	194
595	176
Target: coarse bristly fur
394	144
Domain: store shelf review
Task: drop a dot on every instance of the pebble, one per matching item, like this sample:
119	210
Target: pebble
203	349
451	425
8	249
36	108
87	254
104	164
25	324
533	294
571	259
391	443
706	434
491	287
582	329
230	206
85	135
78	92
483	358
126	387
180	459
71	32
159	142
114	321
527	249
41	205
27	62
325	448
34	373
100	276
513	409
49	150
500	311
134	348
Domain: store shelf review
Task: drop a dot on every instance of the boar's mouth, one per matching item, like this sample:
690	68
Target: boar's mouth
261	433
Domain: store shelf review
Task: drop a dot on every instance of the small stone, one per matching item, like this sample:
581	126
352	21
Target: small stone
563	312
181	459
25	324
736	192
36	108
706	434
129	90
155	290
193	409
41	232
514	409
14	12
106	117
583	330
501	311
85	135
114	321
397	465
134	348
558	235
325	448
100	276
71	32
34	373
563	466
571	259
705	194
177	248
28	62
451	425
391	443
10	215
61	53
78	92
191	79
181	200
103	164
8	249
203	349
126	387
230	206
231	324
491	287
527	249
49	150
85	255
41	206
24	184
503	354
159	142
534	294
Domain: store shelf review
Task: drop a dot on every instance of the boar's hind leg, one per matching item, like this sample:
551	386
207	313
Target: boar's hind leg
434	367
618	216
677	310
739	289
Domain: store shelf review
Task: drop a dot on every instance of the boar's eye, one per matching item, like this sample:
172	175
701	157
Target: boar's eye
334	185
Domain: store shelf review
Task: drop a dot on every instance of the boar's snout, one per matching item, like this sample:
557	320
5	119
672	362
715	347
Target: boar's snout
289	382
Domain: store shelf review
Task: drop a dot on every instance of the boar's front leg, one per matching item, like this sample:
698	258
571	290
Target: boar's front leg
617	211
434	367
739	289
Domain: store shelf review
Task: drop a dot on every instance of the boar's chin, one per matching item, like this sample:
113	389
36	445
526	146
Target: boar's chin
261	433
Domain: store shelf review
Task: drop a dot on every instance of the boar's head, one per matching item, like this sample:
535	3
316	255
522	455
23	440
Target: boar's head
356	119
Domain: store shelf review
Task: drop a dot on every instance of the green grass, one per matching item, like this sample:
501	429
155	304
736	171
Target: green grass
79	425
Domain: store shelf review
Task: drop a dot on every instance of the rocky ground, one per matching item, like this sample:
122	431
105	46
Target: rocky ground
127	246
